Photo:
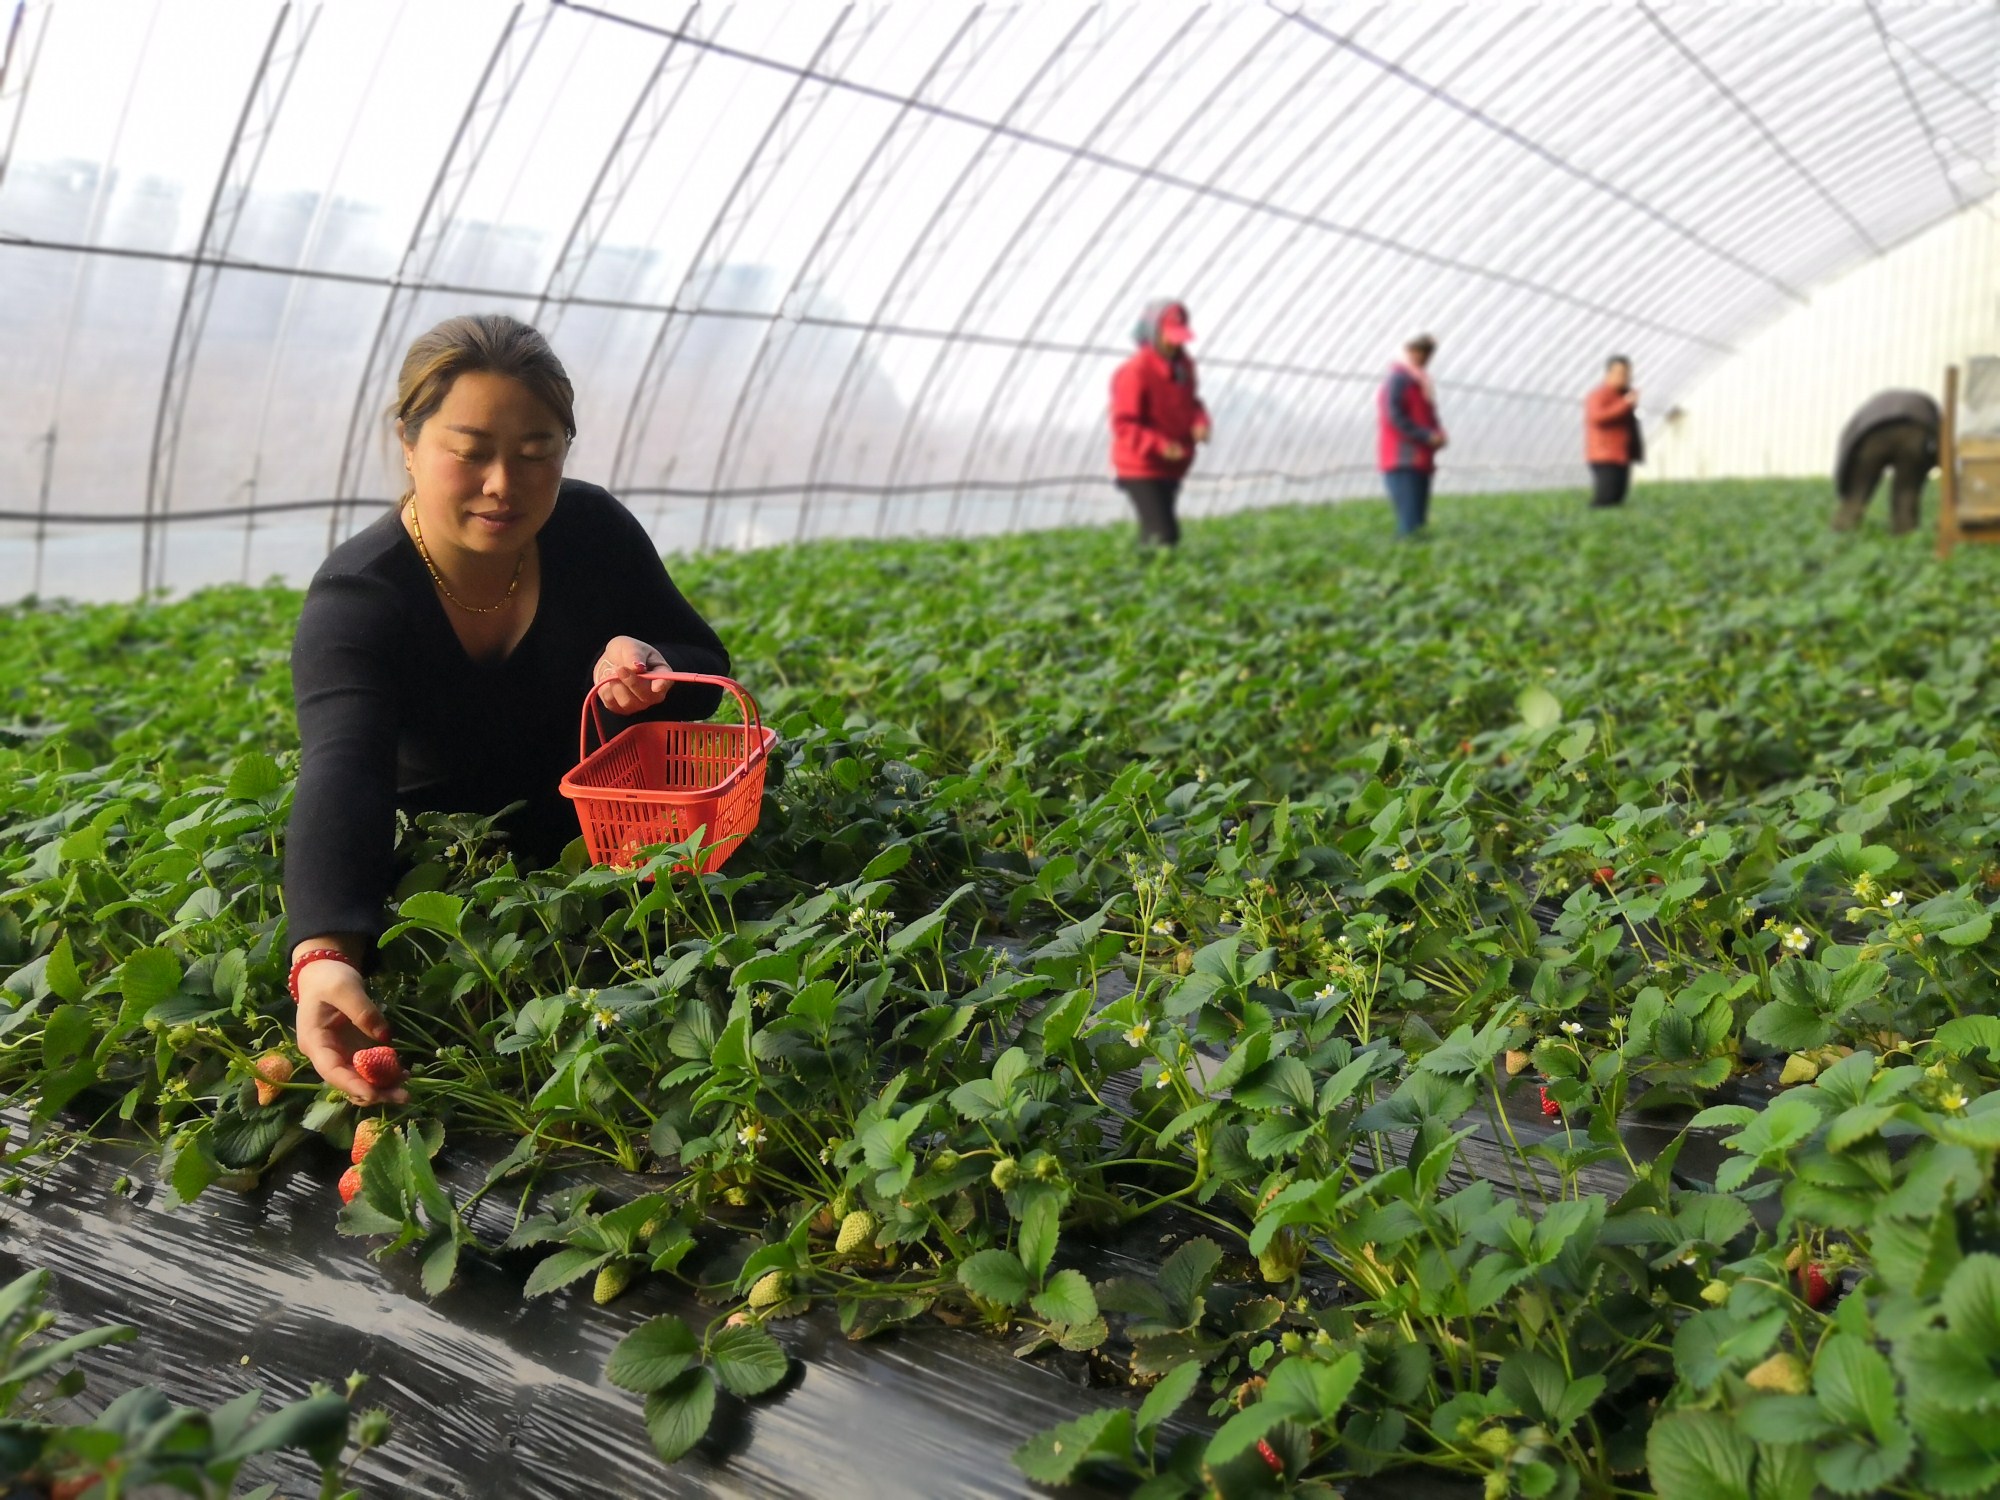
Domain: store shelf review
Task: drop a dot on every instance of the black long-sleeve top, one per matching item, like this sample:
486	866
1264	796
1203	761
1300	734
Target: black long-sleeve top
394	713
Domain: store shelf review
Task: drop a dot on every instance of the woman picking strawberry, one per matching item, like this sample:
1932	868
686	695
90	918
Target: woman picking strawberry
441	652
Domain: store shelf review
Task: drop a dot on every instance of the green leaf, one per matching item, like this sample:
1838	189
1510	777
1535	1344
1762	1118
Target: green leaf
1958	1038
1053	1457
678	1414
560	1269
432	911
926	927
194	1168
1699	1455
1538	707
48	1356
651	1355
1240	1433
1041	1225
995	1275
1965	934
1066	1299
440	1266
146	978
1167	1397
1971	1301
1062	1020
1789	1027
316	1425
1854	1383
747	1360
255	775
60	974
887	863
1188	1271
1539	1389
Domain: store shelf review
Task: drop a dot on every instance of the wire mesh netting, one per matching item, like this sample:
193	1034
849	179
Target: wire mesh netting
824	269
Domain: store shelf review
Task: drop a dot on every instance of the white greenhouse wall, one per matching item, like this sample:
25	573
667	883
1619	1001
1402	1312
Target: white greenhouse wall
1777	405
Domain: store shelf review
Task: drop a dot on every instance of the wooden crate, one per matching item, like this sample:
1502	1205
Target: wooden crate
1969	479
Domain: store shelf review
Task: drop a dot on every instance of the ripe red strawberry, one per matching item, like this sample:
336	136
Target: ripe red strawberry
1550	1109
379	1067
366	1134
350	1184
274	1071
1813	1285
1604	875
1270	1456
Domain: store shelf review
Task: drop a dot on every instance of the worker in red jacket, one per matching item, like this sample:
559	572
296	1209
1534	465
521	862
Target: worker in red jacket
1156	419
1409	435
1612	442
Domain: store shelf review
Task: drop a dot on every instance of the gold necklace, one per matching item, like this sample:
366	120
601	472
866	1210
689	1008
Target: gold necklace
417	530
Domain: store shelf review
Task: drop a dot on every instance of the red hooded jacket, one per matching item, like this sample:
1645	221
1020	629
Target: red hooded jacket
1153	403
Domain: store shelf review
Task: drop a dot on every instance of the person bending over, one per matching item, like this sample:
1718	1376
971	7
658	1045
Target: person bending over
1893	431
442	652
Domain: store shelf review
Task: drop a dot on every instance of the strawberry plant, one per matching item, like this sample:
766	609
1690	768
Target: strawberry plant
1541	985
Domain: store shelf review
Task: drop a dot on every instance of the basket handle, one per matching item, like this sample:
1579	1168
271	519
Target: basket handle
594	709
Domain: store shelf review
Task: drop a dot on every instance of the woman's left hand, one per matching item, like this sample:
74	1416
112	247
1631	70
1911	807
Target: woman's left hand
620	685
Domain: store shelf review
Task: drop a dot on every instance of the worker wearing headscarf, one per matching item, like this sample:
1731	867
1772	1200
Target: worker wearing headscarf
1157	419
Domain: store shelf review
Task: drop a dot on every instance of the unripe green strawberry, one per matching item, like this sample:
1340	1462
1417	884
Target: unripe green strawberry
612	1279
1047	1169
857	1232
769	1290
1006	1172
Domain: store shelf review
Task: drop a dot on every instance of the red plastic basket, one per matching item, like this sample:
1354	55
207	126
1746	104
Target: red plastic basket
658	781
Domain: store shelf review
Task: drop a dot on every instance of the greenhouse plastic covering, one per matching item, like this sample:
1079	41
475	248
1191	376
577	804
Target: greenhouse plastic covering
823	269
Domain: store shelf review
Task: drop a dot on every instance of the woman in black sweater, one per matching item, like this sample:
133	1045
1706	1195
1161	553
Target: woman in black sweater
443	651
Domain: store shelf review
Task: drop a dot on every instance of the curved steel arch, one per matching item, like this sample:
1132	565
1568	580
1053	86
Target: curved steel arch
269	84
512	52
1910	98
835	234
1544	153
729	220
1307	332
1008	260
17	75
628	151
1201	113
934	241
1757	123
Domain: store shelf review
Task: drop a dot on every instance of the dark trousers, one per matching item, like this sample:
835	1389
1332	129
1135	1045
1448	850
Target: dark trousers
1410	493
1904	447
1608	483
1154	500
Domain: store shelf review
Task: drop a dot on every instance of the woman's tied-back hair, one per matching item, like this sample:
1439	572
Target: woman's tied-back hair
483	343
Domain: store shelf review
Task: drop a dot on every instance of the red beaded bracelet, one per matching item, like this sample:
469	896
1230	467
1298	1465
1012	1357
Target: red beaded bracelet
314	955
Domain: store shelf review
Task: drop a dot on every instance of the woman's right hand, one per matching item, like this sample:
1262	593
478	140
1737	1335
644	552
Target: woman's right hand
337	1019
